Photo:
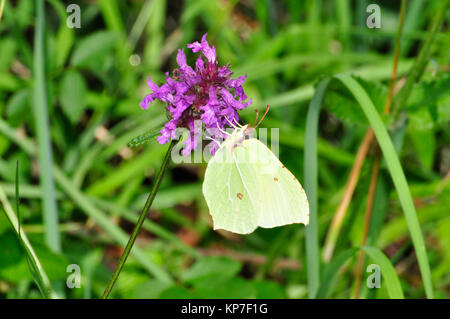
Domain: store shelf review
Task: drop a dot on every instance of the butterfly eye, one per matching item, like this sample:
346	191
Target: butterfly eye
249	133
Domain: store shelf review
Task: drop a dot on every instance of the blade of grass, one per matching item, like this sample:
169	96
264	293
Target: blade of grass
413	21
397	174
36	269
376	165
311	181
390	276
344	20
49	208
139	25
111	14
2	6
330	271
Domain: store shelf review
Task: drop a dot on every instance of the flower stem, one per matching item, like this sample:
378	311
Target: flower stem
139	224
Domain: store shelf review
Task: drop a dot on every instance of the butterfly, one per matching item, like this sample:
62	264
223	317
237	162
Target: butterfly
246	186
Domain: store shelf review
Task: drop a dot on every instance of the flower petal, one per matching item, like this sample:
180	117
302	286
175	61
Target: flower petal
167	132
208	52
144	103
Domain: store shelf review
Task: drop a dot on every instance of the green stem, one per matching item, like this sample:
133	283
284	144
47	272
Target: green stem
139	224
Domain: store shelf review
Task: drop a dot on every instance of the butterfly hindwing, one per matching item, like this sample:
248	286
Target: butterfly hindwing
283	198
230	190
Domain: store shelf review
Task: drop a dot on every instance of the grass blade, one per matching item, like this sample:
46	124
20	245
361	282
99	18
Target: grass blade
397	174
35	265
49	208
311	181
390	276
331	269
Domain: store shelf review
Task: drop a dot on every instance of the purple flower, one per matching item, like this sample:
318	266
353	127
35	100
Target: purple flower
207	93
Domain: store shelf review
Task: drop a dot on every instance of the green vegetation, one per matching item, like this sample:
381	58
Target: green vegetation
363	117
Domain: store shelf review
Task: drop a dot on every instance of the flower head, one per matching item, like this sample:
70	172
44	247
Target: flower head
206	93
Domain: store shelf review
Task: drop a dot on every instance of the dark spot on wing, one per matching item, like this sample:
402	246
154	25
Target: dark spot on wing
240	196
275	179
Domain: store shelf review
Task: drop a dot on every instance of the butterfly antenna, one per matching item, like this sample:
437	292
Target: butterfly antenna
264	115
222	131
256	119
229	122
237	123
212	139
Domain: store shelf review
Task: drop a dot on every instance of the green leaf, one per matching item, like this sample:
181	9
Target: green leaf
211	268
176	293
268	290
342	104
427	94
17	105
424	145
149	290
15	264
234	288
429	104
8	49
144	138
64	42
93	48
73	95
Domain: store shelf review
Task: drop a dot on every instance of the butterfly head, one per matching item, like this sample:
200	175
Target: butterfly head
238	136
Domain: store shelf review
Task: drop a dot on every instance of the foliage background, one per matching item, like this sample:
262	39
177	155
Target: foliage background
95	77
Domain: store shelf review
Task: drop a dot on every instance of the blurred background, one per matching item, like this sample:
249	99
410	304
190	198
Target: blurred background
95	184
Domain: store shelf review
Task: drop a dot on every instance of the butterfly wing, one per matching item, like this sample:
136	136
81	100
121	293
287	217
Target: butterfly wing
231	191
283	200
